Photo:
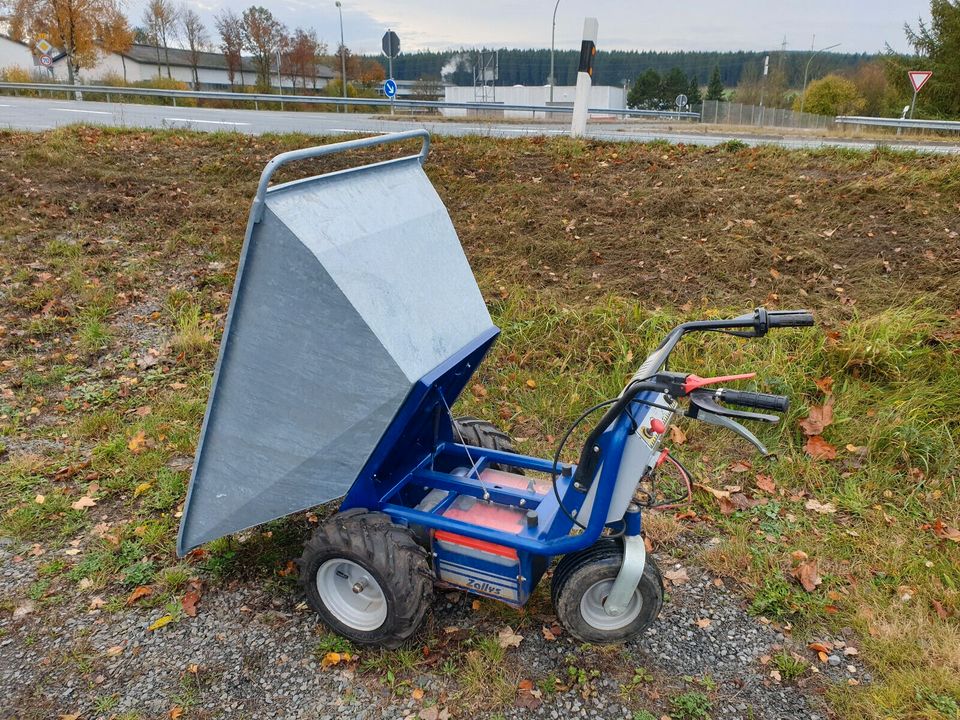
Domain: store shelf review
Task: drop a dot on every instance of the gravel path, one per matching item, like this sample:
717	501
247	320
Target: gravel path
252	654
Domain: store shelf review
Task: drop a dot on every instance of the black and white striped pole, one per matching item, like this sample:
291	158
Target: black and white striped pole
588	50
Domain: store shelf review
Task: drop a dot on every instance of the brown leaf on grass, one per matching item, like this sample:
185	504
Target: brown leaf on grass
175	712
806	573
820	417
819	507
479	390
677	435
139	593
765	483
940	609
529	699
84	502
417	694
741	466
945	532
508	638
820	449
137	442
825	384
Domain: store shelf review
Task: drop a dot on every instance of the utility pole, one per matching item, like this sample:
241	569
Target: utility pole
553	35
763	84
343	55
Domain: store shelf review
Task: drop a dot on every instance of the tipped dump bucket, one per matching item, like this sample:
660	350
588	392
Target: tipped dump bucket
351	287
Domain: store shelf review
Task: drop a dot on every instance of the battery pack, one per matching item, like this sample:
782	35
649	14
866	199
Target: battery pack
481	567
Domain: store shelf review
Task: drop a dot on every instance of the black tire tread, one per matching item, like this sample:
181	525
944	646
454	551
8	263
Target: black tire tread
483	434
389	549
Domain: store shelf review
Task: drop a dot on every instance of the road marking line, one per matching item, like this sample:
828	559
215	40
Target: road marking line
209	122
90	112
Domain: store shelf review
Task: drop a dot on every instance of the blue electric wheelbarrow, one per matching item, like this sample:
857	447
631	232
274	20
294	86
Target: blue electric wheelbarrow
355	323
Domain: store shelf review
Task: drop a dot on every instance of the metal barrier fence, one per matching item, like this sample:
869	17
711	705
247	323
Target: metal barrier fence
256	98
726	113
899	124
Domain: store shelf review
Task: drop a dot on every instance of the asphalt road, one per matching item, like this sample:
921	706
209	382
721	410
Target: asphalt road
44	114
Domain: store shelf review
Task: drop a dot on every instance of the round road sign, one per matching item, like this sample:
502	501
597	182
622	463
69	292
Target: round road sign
681	100
46	60
390	87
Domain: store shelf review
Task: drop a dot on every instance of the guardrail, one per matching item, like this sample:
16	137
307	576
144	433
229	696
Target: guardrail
950	125
325	100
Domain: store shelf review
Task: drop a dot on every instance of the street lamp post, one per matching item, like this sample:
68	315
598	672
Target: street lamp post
279	79
553	35
343	54
803	93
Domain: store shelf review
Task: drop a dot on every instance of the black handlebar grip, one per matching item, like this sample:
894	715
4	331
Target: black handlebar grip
761	401
789	318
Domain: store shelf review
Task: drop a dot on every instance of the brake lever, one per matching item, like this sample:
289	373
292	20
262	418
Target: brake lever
725	422
703	401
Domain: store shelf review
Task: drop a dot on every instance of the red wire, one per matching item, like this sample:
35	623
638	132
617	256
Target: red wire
687	481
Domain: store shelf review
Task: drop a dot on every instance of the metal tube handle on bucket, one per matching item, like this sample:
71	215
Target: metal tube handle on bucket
321	150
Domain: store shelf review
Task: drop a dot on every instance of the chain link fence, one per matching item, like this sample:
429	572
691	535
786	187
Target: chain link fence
725	113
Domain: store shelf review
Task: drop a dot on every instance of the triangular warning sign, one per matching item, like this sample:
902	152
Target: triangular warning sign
918	78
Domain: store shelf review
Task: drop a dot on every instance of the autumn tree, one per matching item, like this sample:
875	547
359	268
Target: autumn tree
715	86
262	36
301	56
82	29
370	72
116	36
871	80
939	44
195	35
831	95
230	27
160	19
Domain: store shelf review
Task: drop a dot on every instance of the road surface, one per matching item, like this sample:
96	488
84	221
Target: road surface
43	114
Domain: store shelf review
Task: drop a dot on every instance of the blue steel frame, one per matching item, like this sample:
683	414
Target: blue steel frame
403	468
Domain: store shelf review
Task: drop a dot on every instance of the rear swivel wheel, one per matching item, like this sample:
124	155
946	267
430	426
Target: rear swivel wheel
581	583
367	578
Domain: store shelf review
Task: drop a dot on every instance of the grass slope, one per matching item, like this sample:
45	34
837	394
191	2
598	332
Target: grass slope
117	256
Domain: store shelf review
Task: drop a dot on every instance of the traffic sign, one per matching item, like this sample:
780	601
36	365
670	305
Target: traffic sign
46	61
918	78
681	100
43	46
390	87
391	44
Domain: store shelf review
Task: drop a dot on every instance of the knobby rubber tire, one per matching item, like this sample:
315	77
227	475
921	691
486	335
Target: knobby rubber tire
577	572
389	553
480	433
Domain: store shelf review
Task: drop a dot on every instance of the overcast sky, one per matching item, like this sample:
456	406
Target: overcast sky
860	25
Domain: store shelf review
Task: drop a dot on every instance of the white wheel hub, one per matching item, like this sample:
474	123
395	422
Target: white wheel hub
351	594
593	612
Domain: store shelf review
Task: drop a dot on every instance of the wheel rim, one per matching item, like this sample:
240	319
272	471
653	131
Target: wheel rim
591	607
351	594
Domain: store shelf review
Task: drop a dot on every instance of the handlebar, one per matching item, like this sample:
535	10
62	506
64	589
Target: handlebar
789	318
762	401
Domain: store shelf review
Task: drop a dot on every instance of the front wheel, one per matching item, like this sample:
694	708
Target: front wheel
366	578
581	583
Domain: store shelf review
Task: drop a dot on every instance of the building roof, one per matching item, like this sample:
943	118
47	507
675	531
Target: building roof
178	56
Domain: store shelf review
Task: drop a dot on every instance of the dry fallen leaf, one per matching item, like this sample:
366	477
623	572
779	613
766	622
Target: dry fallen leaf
84	502
138	593
818	507
820	449
703	623
820	417
175	712
159	622
508	638
765	483
806	573
677	435
137	442
40	499
141	489
945	532
417	694
189	602
114	651
677	577
531	383
825	384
